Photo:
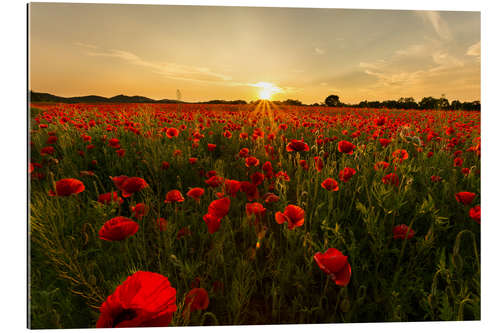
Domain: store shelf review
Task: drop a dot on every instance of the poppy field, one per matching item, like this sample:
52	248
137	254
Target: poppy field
204	214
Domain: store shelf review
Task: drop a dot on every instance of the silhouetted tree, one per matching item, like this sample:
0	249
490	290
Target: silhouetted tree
332	100
455	105
428	103
442	103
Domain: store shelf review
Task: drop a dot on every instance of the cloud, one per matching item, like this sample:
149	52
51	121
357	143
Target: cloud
415	66
474	51
85	45
438	23
166	69
373	65
444	61
319	51
411	50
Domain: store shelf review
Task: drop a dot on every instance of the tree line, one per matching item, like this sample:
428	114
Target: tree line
426	103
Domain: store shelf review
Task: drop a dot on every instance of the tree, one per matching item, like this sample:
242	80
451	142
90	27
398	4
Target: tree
428	103
443	103
456	105
332	100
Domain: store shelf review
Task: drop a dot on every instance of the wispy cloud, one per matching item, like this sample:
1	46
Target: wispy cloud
319	51
474	51
412	66
411	50
438	23
85	45
167	69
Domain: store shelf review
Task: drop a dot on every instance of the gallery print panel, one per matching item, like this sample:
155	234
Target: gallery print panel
212	165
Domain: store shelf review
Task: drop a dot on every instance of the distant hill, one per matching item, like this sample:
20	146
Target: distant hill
36	97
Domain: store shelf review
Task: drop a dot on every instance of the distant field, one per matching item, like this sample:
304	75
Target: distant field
283	214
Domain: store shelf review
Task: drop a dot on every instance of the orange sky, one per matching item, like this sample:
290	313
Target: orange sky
227	52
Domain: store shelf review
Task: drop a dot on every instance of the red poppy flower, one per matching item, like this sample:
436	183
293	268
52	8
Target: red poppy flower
172	132
257	178
465	197
47	150
430	154
382	165
391	178
296	145
120	152
458	162
400	155
195	193
436	179
475	213
250	190
270	198
244	152
138	211
214	181
219	207
107	197
184	231
145	299
196	299
402	231
346	174
346	147
211	146
212	222
66	187
335	264
174	196
303	164
211	173
330	184
267	167
255	209
232	187
251	161
384	142
161	223
165	165
380	121
293	216
318	163
51	139
118	180
227	134
114	143
130	185
282	175
118	228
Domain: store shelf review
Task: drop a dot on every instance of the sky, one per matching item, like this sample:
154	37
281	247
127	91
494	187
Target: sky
248	52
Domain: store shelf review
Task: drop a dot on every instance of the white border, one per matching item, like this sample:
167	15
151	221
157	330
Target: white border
13	140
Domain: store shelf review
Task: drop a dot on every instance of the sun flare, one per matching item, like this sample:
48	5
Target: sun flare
267	90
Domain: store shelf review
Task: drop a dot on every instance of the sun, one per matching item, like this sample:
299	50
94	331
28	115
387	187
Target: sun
267	90
265	94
